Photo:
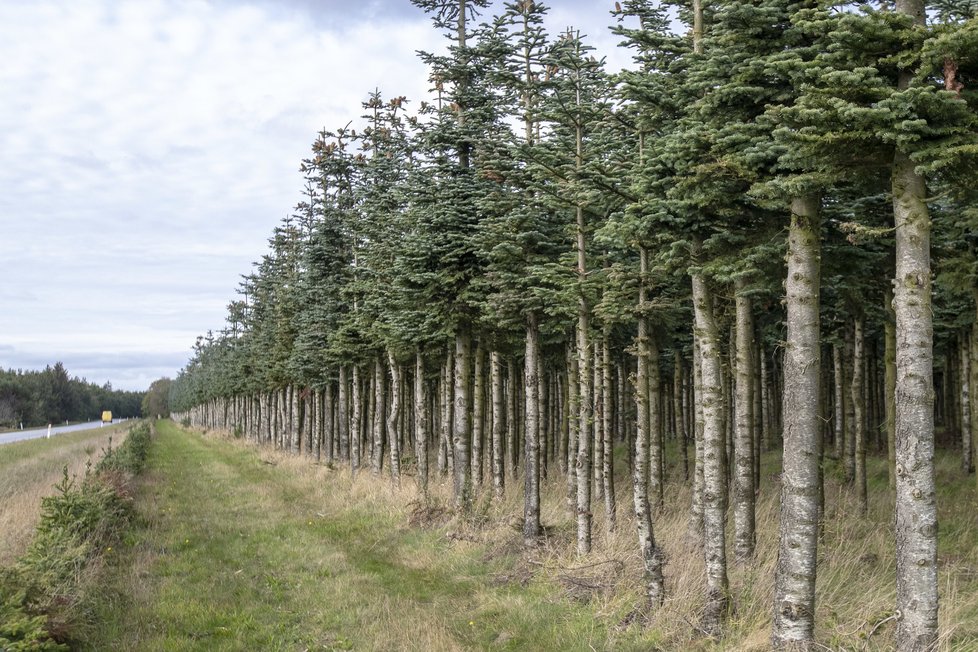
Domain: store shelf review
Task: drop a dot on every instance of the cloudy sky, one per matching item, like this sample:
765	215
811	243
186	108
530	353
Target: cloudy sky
149	147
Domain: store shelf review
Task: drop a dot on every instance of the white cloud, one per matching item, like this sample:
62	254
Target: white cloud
148	148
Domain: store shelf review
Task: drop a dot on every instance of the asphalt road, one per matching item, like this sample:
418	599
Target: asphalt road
36	433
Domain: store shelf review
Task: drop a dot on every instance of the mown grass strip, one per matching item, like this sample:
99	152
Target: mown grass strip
240	554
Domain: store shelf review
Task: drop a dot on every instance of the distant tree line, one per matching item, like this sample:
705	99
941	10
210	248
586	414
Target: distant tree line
728	249
36	398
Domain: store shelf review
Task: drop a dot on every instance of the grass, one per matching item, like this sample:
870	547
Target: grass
28	472
247	548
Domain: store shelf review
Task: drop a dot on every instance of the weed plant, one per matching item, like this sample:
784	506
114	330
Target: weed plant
46	591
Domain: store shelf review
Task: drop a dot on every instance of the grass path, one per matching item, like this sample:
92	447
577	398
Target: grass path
243	551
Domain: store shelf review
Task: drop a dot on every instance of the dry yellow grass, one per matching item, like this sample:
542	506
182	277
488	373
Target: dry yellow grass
856	586
28	472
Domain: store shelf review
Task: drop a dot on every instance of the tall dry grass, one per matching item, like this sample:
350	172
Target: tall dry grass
28	473
856	568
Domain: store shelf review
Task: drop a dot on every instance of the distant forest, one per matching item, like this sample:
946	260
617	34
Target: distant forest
37	398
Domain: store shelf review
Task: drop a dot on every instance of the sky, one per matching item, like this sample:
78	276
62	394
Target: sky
149	147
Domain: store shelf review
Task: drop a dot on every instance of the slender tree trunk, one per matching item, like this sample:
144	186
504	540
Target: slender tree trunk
839	384
377	451
974	384
422	425
651	558
498	433
573	426
766	417
355	422
511	420
343	415
966	416
608	445
656	479
794	582
916	507
849	452
679	423
462	423
714	489
598	419
859	409
889	336
393	414
744	537
478	415
696	500
445	455
531	433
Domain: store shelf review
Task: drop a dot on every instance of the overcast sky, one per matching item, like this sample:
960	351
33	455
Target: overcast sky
149	147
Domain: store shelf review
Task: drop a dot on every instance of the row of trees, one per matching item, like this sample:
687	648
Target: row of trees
727	247
35	398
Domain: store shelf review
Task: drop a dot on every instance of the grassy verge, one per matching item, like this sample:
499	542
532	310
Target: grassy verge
28	472
46	594
247	548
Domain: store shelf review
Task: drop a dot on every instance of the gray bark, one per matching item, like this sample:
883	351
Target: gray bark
498	416
531	433
377	451
608	446
651	559
394	413
794	584
462	423
714	489
916	508
696	500
859	410
743	490
356	420
478	416
422	423
965	371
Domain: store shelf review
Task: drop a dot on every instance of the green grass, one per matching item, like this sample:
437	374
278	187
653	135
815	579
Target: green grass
247	548
240	554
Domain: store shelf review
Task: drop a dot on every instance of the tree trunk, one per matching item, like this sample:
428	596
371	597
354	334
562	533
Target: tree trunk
743	491
377	450
859	410
422	424
355	427
849	452
608	445
512	420
696	499
462	423
393	437
656	479
598	422
838	376
916	507
966	416
714	489
531	433
679	423
478	416
794	583
974	384
498	473
651	559
573	426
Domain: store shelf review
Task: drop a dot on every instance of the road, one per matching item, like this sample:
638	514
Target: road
36	433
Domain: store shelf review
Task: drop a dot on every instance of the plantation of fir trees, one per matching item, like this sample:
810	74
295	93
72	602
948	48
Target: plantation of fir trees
743	266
